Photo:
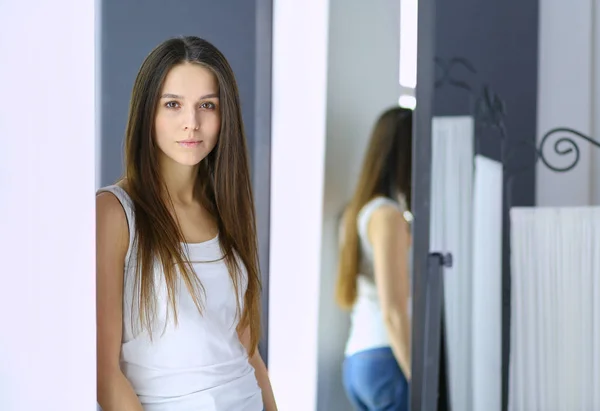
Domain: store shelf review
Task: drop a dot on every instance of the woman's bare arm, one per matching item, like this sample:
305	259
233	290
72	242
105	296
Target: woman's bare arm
262	375
114	391
389	234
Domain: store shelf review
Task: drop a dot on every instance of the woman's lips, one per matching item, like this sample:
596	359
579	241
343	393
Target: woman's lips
189	143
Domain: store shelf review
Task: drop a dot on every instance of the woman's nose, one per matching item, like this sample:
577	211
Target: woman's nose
191	121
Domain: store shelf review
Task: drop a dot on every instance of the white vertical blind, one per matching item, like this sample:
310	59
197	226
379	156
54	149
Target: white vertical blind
451	230
555	312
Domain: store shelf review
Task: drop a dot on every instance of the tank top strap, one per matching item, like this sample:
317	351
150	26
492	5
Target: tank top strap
128	207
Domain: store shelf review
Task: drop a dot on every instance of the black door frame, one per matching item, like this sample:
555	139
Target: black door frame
421	189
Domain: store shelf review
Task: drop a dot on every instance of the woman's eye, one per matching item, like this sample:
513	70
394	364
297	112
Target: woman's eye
172	104
207	106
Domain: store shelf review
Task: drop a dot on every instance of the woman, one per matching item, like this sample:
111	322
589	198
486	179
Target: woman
178	282
373	276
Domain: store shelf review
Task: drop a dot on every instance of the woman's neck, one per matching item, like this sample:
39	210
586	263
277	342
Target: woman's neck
180	182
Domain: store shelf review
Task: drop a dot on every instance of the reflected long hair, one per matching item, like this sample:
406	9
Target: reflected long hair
386	171
224	189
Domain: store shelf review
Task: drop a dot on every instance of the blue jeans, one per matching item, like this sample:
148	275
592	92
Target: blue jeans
374	381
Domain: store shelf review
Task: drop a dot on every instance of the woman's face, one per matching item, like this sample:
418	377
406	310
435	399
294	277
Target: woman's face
188	118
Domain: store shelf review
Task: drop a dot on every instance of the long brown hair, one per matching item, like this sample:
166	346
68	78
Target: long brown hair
386	170
224	188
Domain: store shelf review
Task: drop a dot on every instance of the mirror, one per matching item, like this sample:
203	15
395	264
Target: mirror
365	304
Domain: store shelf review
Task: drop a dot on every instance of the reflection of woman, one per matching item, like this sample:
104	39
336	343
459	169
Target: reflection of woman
373	277
178	285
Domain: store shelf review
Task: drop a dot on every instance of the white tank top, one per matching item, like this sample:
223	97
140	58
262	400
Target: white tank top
199	364
367	329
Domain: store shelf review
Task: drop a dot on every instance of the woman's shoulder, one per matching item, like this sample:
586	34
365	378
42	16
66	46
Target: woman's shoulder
111	217
114	204
119	190
388	224
109	206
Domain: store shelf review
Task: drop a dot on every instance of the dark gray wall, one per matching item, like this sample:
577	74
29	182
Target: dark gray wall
131	29
500	38
242	30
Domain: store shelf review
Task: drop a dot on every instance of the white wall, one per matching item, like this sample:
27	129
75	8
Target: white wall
362	81
298	149
595	156
47	221
569	96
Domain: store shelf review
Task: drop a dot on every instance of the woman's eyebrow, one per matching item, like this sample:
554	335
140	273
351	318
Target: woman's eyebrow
175	96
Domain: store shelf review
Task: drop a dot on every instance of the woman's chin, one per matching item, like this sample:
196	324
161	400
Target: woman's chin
188	160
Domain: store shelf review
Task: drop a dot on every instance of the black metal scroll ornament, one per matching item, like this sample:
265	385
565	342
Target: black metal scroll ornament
564	146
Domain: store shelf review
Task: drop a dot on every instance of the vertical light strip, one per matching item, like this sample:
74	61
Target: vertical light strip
408	43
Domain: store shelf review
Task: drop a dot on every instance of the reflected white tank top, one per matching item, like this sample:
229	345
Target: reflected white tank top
367	328
199	364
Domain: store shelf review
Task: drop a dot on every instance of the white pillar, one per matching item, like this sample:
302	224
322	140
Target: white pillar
297	170
47	221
